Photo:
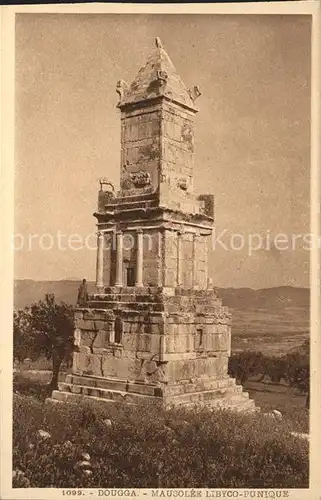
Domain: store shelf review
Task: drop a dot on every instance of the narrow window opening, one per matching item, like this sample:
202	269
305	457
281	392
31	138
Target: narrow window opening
118	330
199	337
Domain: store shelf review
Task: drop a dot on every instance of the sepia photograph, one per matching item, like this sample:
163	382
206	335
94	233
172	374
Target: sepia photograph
162	254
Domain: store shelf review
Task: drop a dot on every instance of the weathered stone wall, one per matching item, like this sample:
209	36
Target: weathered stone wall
170	258
185	255
186	259
152	263
120	365
201	260
185	337
159	141
140	146
177	157
99	354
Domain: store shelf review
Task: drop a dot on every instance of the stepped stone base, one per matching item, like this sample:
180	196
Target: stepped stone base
216	393
166	346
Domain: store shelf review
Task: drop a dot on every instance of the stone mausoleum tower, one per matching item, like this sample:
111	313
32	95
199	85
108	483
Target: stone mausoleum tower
155	330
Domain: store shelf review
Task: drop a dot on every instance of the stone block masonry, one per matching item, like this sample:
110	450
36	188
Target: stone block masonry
177	355
155	330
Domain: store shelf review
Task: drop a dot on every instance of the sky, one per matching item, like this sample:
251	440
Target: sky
252	135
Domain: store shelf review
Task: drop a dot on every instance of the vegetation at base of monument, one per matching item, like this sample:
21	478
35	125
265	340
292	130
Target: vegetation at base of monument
293	368
147	447
150	447
44	329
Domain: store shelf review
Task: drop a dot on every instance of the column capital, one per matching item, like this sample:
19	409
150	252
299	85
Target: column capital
140	231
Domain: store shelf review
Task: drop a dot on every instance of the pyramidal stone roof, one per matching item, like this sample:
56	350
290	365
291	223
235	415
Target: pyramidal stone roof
158	78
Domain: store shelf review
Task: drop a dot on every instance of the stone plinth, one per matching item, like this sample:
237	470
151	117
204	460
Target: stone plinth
169	346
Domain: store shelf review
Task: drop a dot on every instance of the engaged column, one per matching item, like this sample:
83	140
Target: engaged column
100	262
119	259
139	259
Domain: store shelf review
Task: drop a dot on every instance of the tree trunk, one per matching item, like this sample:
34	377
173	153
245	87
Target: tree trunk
56	363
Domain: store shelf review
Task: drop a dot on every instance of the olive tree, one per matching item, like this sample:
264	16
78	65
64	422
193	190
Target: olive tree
45	328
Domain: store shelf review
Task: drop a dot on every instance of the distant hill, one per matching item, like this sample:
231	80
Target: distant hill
28	291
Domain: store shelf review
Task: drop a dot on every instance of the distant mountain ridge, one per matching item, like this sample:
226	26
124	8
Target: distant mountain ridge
27	291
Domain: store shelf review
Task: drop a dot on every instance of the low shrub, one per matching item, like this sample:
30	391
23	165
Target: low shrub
148	447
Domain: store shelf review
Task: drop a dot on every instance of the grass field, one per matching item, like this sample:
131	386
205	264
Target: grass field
201	449
123	446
